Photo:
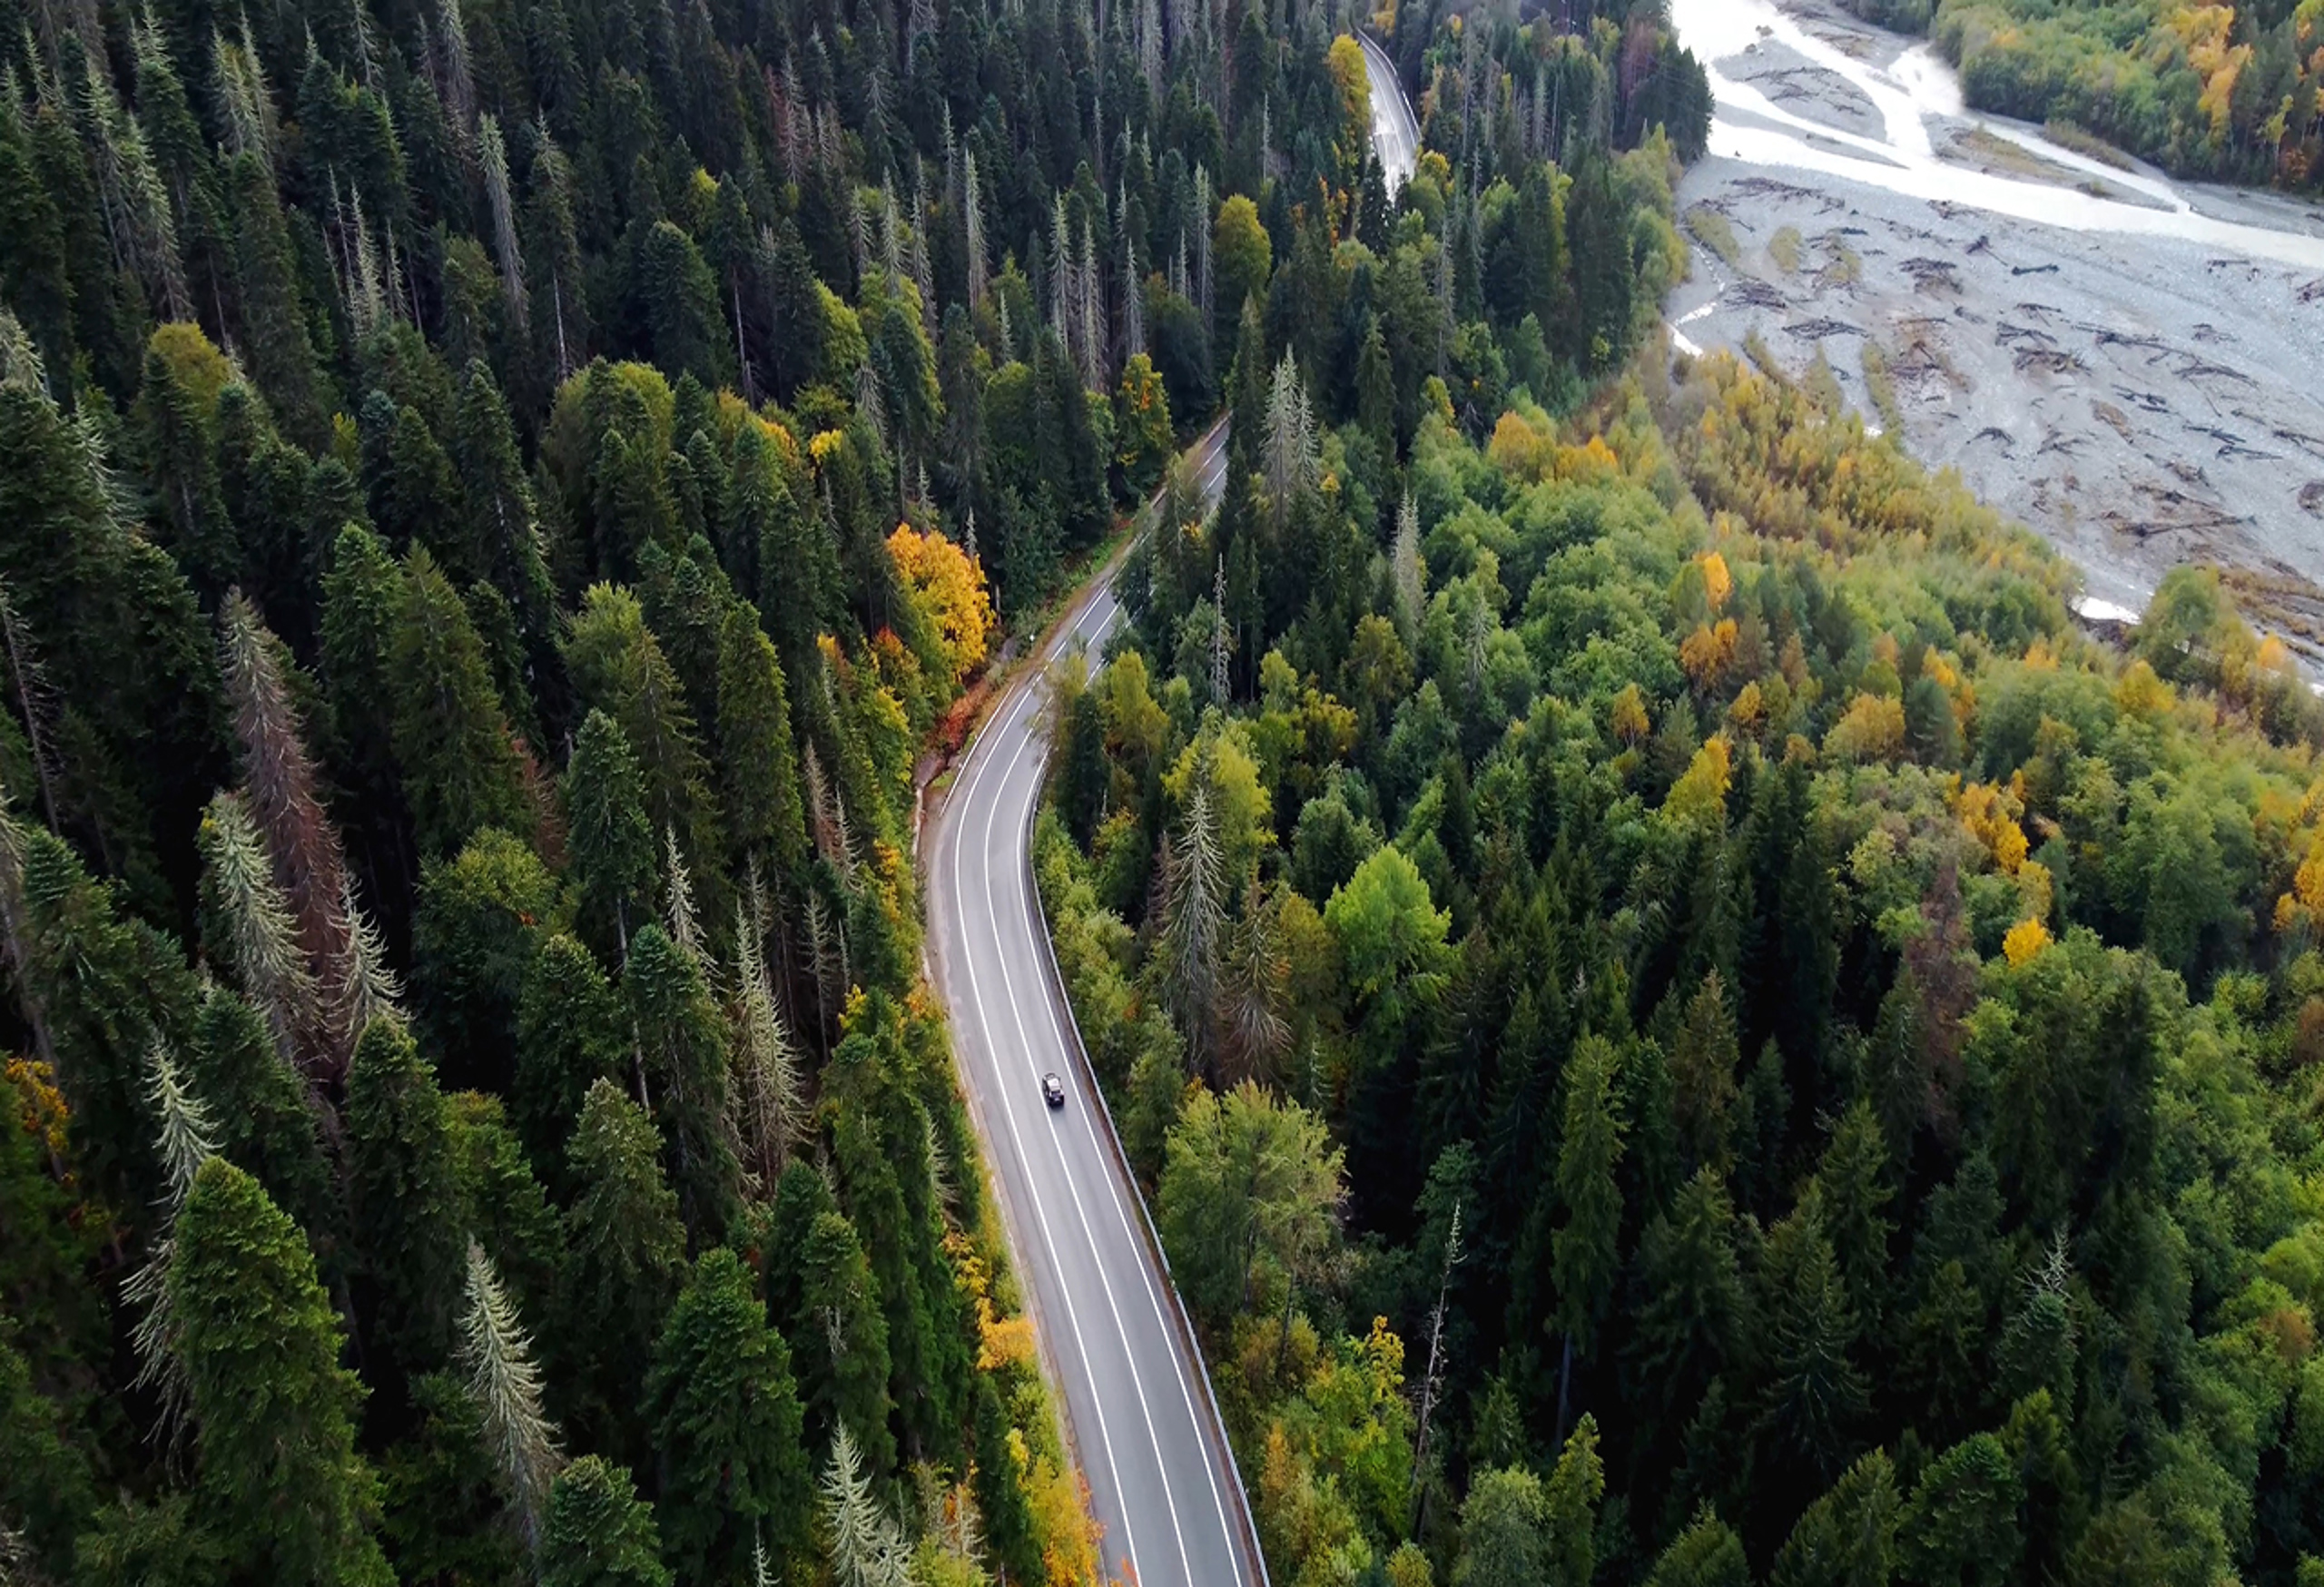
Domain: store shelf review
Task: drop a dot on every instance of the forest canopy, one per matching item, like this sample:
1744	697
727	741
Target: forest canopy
2227	92
1687	1026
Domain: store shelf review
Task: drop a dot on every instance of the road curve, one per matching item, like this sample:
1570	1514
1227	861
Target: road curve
1396	131
1113	1337
1146	1433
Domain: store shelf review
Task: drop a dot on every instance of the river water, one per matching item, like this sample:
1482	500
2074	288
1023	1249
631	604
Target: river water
2123	360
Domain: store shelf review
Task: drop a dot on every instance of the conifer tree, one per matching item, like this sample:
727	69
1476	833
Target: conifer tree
1194	919
1847	1538
285	803
612	837
1587	1253
1814	1393
506	1386
415	495
46	1492
600	1533
268	1122
185	1137
571	1031
767	1096
1703	1062
758	755
287	1496
33	264
492	153
459	769
619	667
502	536
866	1548
1706	1554
683	1043
361	613
843	1350
678	306
404	1193
479	916
273	311
1570	1508
1288	455
367	987
625	1243
728	1422
178	432
250	931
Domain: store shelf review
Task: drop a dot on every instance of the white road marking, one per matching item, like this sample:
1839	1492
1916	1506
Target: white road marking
1098	1257
1040	1212
1105	610
1211	477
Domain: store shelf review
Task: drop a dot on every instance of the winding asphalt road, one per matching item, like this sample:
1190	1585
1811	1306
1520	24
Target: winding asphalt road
1396	131
1113	1337
1161	1480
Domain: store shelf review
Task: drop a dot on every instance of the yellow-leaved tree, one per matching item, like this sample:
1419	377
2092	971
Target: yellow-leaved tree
949	590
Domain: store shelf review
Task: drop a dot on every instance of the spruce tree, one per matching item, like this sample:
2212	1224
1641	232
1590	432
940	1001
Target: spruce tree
506	1386
866	1547
610	834
278	1482
767	1095
271	309
284	797
47	1488
459	769
678	306
361	613
250	931
626	1249
726	1420
1847	1538
1011	1537
177	434
502	537
1814	1394
619	667
846	1361
416	498
1703	1063
479	915
758	756
34	268
268	1122
404	1194
1590	1149
1706	1554
572	1030
509	1214
1570	1508
600	1533
684	1043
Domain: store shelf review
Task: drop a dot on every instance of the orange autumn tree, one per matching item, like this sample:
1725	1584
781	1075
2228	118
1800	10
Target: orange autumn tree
949	590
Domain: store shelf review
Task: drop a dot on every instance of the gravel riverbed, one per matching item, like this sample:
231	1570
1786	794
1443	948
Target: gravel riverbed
2131	366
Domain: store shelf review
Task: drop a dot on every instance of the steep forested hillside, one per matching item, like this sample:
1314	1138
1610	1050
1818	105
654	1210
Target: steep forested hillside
1730	1043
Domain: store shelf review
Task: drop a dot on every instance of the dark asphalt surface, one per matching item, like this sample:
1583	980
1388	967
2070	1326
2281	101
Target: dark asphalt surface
1161	1481
1145	1432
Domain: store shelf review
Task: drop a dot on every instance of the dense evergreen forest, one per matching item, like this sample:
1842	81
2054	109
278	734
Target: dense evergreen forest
2232	92
495	496
1684	1024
